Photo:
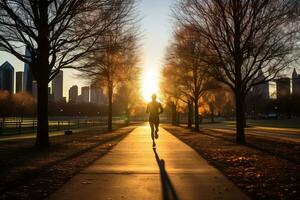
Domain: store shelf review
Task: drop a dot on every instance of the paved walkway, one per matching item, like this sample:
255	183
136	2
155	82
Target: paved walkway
132	170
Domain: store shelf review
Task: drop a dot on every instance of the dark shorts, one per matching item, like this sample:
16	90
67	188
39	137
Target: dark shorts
154	119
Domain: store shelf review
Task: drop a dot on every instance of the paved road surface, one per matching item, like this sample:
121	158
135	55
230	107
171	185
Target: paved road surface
132	170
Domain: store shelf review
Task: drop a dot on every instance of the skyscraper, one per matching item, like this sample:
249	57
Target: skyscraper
97	96
296	83
85	94
28	76
19	81
283	88
34	89
7	77
73	94
57	87
262	90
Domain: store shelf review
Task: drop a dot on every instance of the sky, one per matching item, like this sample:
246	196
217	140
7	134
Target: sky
156	32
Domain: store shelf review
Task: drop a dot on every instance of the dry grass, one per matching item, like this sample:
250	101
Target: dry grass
30	173
262	169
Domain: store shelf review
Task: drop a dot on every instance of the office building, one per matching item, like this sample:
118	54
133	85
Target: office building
73	94
261	90
295	83
28	76
34	89
85	94
50	96
57	87
19	81
97	96
7	77
283	88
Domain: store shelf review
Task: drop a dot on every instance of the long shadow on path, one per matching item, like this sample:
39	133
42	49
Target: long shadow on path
168	190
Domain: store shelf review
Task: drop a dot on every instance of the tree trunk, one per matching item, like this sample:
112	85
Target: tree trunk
109	120
240	118
196	115
190	114
41	72
174	114
42	138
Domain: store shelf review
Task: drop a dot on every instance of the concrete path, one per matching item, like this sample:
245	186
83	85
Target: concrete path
132	170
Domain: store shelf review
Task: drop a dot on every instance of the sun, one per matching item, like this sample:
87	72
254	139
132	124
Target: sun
149	83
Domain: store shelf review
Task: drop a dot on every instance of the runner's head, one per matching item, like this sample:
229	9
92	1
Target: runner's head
153	97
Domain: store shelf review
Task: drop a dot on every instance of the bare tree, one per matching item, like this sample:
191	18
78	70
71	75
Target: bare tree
57	34
243	37
115	64
191	73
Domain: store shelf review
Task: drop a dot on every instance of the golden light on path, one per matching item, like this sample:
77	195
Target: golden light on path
149	83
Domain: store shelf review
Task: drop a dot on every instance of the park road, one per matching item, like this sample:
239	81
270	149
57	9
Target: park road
133	170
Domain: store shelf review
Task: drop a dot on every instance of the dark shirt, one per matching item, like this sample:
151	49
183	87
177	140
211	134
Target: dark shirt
154	108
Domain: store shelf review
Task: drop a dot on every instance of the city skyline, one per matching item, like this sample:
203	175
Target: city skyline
156	31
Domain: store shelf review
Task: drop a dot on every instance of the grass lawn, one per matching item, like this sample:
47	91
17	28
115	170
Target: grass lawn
30	173
277	123
264	169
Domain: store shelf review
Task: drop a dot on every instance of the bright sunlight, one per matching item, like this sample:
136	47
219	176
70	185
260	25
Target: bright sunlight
150	83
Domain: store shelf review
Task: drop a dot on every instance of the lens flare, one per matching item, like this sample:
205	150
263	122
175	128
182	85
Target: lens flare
149	83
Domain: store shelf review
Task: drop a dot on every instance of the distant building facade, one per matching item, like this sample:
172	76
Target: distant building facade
7	77
19	81
34	89
85	94
283	89
73	94
28	76
57	87
97	96
295	83
262	90
50	96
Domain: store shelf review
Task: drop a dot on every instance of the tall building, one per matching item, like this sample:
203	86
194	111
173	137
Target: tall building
283	88
262	90
19	81
50	96
34	89
296	83
7	77
85	94
97	96
57	87
28	76
73	94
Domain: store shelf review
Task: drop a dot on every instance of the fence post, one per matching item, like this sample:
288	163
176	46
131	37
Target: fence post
1	127
33	126
20	127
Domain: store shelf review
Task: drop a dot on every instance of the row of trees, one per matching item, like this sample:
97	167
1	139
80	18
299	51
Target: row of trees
115	68
225	44
20	104
58	34
24	105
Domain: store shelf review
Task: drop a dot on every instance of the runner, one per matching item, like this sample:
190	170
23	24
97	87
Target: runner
154	109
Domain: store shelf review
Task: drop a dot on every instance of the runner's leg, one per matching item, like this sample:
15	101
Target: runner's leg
152	132
156	129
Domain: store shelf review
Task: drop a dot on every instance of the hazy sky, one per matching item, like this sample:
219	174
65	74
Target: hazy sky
155	28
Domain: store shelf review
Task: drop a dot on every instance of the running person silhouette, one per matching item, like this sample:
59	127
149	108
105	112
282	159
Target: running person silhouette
154	109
